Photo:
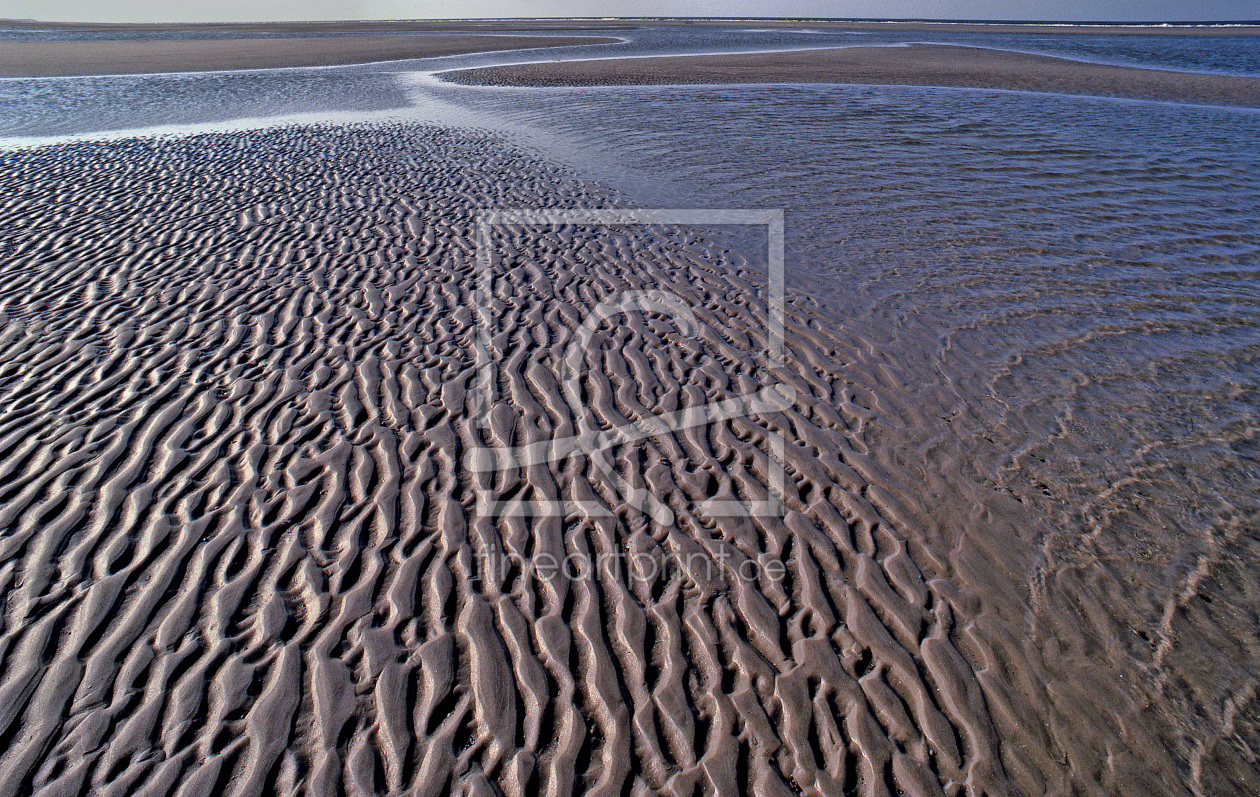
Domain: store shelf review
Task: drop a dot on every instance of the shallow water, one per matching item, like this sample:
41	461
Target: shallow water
75	105
1216	53
1072	283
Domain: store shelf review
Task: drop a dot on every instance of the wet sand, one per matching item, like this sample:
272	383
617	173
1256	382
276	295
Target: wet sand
917	65
976	27
243	540
134	56
241	548
328	28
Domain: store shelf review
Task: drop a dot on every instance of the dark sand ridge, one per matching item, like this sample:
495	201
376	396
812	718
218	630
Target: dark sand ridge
976	27
131	56
917	65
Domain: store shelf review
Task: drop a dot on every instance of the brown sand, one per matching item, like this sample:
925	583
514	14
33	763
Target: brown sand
972	27
41	58
918	65
339	26
241	551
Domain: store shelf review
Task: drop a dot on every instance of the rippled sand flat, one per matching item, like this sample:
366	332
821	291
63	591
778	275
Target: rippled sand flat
240	551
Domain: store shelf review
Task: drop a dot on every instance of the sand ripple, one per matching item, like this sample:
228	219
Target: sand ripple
239	551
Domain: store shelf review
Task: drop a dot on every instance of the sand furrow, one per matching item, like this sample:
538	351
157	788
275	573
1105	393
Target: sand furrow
247	544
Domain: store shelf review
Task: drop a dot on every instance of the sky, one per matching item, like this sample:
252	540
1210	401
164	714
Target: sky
269	10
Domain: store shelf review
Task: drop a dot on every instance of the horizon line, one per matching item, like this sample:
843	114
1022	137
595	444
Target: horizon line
645	18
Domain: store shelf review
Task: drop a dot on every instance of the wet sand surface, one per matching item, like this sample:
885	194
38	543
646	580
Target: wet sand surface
241	550
997	27
921	65
136	56
340	27
245	538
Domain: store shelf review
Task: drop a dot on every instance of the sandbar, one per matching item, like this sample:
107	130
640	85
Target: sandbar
139	56
916	65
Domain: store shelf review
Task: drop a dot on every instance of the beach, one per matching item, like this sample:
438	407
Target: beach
830	428
913	65
249	504
105	57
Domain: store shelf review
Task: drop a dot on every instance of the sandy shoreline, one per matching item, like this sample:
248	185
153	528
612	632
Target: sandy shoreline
133	56
997	27
246	526
241	548
919	65
246	538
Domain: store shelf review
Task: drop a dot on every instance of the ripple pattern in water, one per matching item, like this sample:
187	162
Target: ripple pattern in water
1072	285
